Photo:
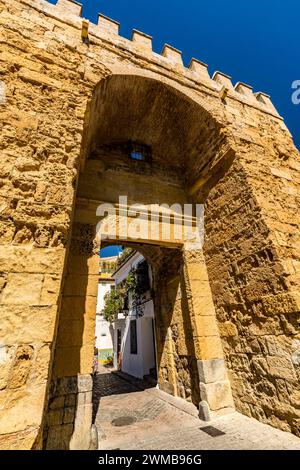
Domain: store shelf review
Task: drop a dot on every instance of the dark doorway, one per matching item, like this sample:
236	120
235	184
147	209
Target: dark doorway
119	343
153	372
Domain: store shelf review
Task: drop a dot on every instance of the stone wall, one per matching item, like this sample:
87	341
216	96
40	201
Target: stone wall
221	145
189	351
41	126
69	415
258	312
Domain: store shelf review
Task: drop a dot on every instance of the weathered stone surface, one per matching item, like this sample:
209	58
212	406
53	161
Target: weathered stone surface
19	283
69	415
40	371
81	285
67	104
213	370
59	437
55	417
21	366
19	441
260	366
281	367
282	303
71	332
21	408
95	438
65	386
50	289
19	259
228	329
71	399
38	78
204	411
80	360
217	394
6	360
81	437
85	383
210	347
28	324
57	403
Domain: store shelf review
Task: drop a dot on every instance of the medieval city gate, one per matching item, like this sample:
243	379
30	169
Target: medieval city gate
77	97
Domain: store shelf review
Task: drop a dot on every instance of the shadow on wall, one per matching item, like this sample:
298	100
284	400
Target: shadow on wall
70	398
176	355
111	332
71	385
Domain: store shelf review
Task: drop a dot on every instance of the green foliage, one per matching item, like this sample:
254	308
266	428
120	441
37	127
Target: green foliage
130	282
109	358
123	256
136	290
114	301
134	287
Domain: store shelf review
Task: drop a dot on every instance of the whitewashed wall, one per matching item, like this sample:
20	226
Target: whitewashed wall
104	330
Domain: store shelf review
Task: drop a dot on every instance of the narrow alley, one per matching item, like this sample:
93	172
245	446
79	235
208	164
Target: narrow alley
130	414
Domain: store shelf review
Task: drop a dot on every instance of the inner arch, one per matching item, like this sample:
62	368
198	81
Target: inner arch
183	136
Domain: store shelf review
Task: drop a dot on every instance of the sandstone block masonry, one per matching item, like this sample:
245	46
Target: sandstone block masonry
73	94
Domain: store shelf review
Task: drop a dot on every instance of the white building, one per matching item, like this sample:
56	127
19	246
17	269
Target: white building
104	330
134	336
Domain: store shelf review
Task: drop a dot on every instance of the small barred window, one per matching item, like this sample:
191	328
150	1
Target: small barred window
140	152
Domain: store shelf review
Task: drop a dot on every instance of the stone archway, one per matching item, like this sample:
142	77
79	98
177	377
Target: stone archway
127	109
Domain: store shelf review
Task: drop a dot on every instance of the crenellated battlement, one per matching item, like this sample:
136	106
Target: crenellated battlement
70	6
108	26
70	11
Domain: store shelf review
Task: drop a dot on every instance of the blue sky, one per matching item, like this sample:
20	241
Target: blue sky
110	251
255	42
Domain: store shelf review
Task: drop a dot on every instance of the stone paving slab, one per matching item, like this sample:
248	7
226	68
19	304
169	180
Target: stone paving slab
163	422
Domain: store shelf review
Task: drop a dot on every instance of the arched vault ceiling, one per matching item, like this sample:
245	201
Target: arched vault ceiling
181	133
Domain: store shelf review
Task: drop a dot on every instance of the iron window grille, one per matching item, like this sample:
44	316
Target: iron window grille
133	337
140	152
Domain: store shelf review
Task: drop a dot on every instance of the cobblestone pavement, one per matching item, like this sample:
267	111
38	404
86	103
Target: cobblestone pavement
162	422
